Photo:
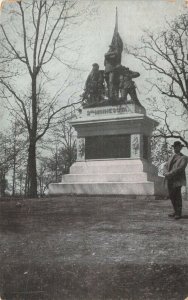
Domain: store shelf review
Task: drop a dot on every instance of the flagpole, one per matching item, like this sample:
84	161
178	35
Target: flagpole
116	19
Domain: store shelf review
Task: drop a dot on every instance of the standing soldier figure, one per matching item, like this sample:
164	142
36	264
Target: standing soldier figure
94	85
127	85
112	60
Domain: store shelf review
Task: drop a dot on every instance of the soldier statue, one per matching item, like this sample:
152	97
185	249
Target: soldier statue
127	85
112	60
94	86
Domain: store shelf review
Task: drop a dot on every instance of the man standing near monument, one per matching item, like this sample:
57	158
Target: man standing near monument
175	176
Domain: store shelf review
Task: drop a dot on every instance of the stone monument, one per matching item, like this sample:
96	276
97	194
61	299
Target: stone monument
113	135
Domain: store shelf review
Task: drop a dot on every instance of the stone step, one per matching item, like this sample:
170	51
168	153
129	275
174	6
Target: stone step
101	188
119	166
108	177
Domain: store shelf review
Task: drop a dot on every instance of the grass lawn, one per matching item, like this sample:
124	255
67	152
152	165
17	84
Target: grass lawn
92	248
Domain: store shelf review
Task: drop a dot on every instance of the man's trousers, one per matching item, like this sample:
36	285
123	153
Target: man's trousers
176	198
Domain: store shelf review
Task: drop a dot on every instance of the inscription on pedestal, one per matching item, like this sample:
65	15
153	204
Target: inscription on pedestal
130	107
108	146
111	110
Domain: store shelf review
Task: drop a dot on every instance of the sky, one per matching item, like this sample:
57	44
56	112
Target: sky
134	16
95	33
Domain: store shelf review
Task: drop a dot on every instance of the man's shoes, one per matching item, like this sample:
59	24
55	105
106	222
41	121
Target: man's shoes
172	215
177	217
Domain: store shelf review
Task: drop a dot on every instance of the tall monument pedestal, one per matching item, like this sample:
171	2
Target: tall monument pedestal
113	154
113	134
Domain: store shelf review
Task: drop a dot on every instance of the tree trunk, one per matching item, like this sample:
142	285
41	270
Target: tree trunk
26	182
14	173
32	171
21	179
2	184
56	166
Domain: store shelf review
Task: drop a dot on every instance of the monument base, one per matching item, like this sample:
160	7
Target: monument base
113	154
111	177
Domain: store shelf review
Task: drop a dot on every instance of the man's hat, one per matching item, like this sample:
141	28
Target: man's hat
177	143
95	64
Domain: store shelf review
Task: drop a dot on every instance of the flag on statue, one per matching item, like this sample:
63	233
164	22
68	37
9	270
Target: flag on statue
117	43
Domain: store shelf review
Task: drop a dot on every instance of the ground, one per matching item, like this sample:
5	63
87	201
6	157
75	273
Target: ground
92	248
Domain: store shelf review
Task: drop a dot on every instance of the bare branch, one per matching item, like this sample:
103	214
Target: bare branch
52	115
24	38
51	33
11	90
11	46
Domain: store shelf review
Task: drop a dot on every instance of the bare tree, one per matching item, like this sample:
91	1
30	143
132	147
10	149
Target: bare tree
164	55
18	145
65	134
37	41
60	152
12	154
7	155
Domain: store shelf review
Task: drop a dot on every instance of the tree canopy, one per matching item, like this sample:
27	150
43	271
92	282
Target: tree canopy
165	55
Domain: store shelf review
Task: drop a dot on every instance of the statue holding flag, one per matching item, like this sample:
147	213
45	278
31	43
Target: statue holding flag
112	62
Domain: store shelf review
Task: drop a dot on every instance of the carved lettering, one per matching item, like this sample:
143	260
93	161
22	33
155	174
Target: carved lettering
105	111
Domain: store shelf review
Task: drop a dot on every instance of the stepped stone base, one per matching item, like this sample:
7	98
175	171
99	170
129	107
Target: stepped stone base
110	177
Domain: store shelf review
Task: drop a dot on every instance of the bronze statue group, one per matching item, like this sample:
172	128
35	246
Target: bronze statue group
111	85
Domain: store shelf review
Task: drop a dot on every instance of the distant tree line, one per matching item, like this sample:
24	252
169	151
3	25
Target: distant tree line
54	158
